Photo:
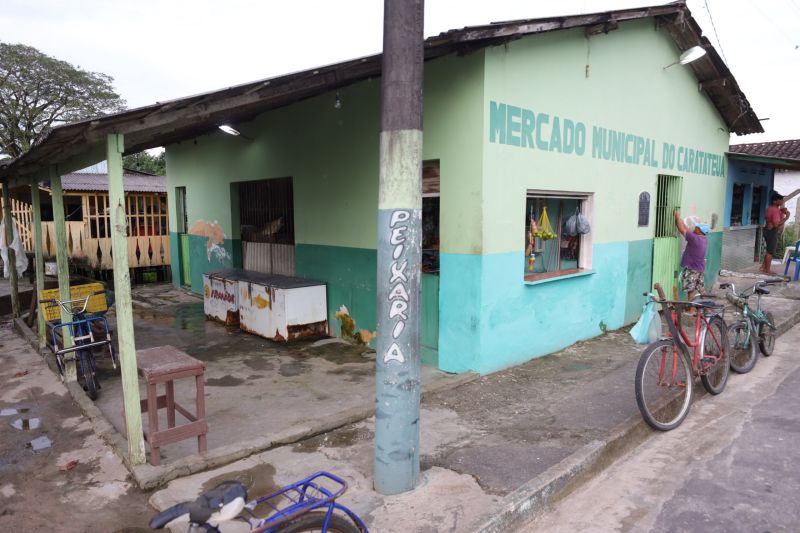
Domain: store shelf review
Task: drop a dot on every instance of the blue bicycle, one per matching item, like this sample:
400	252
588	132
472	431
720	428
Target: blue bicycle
80	329
305	506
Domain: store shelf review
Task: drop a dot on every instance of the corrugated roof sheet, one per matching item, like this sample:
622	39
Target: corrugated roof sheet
173	121
787	150
79	181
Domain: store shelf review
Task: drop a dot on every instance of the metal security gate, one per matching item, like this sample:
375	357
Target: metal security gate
667	244
266	214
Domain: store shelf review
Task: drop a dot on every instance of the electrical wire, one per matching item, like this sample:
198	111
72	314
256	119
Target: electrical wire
716	35
772	22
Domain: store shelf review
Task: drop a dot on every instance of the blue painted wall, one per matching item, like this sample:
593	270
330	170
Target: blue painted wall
750	174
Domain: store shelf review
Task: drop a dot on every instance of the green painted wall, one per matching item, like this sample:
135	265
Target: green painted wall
640	273
489	318
332	156
627	90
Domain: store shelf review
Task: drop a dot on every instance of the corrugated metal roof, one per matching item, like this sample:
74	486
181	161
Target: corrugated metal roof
785	150
79	181
72	145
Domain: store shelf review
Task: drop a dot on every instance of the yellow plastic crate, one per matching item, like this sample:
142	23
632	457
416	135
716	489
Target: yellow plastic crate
97	303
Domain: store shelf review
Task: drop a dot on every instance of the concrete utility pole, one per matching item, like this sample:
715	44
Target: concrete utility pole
399	255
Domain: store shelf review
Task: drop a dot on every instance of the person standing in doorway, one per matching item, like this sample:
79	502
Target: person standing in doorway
694	256
776	217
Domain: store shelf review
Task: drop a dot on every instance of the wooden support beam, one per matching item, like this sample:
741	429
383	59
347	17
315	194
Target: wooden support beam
122	291
11	267
62	260
38	259
712	84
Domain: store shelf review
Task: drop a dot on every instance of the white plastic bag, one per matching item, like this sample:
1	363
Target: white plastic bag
16	244
648	328
577	224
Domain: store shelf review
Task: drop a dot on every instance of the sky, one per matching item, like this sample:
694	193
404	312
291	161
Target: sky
158	50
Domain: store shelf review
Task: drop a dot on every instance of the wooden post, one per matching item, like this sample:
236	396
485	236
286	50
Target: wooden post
122	293
62	260
38	258
12	255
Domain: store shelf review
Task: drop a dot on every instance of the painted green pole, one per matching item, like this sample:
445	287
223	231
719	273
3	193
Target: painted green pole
38	258
62	261
12	255
122	293
399	241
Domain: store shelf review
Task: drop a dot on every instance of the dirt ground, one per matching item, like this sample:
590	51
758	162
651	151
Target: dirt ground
74	482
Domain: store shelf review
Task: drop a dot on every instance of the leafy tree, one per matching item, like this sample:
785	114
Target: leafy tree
38	92
144	162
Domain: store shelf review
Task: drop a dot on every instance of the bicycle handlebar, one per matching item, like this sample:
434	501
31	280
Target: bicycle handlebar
71	310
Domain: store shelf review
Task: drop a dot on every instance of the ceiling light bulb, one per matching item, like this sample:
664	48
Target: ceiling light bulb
693	53
229	130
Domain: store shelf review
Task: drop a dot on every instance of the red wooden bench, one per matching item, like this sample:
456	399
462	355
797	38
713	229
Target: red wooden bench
165	364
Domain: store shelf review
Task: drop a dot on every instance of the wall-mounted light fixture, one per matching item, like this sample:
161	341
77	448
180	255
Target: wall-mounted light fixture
692	54
337	104
230	130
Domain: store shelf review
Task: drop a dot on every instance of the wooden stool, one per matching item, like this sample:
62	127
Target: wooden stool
165	364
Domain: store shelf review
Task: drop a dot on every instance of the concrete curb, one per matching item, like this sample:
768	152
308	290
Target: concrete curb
149	477
522	505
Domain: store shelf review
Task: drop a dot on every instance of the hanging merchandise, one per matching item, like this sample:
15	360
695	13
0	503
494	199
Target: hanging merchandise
577	224
545	231
531	242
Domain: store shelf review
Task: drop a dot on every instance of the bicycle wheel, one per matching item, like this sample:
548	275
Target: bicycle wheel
314	521
663	385
744	353
87	372
715	348
766	335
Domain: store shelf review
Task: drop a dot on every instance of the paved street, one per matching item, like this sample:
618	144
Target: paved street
734	464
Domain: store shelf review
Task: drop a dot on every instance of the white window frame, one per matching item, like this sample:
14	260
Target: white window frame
587	210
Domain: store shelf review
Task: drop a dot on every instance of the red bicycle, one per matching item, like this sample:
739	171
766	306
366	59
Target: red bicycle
666	372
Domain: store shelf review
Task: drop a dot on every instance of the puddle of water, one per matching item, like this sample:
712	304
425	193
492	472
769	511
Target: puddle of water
26	424
225	381
259	481
40	443
341	438
293	369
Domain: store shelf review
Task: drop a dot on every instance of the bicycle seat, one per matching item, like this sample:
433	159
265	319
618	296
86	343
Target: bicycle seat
220	504
761	290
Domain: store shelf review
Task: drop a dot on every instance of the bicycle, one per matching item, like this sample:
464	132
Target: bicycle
80	329
755	327
666	370
306	505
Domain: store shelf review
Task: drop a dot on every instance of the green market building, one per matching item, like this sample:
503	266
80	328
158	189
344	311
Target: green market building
584	118
578	114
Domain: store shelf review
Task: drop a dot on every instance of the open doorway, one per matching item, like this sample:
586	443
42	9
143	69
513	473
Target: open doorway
266	218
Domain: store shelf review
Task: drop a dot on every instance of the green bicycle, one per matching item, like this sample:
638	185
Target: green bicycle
756	327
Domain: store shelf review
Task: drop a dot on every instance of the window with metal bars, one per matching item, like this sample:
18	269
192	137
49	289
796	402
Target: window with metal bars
266	211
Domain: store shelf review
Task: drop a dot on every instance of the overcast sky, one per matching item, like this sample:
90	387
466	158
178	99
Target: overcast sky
162	49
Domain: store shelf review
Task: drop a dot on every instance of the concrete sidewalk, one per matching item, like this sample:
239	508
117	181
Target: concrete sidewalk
493	451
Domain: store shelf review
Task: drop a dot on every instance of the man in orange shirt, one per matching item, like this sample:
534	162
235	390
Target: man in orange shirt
776	216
